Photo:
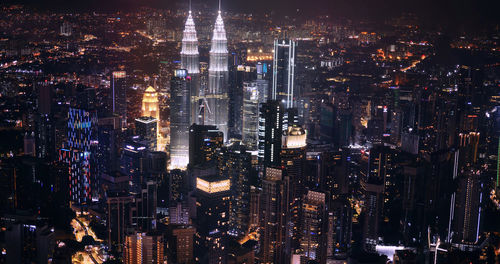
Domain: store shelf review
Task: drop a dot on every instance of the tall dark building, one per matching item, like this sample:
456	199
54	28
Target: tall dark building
270	131
283	88
273	223
376	181
180	110
119	94
313	227
44	123
203	143
213	195
293	157
236	163
109	135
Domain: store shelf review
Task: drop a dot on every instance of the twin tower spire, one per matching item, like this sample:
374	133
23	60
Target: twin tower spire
213	109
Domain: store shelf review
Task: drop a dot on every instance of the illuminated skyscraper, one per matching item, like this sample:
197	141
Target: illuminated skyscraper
80	154
283	88
250	131
270	131
191	62
217	109
144	248
312	241
179	119
150	105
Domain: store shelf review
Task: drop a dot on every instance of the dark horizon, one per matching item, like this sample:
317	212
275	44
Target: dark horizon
463	15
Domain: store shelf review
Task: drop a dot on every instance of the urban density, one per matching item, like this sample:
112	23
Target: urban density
242	132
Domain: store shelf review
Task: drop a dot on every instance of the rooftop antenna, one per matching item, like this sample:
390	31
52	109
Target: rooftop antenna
189	6
219	6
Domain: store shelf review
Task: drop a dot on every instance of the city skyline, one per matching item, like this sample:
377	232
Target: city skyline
220	132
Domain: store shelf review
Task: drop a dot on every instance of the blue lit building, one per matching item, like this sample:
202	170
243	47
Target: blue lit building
80	154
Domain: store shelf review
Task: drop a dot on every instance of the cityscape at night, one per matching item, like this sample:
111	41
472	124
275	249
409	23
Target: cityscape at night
249	132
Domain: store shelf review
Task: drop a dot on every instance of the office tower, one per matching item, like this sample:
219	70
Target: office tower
146	206
29	144
376	182
109	136
179	119
255	214
283	88
29	242
119	215
179	213
203	143
146	128
339	230
293	157
184	244
250	133
157	165
45	136
313	227
191	62
216	112
44	122
343	128
144	248
465	215
238	74
178	185
327	123
236	163
467	212
66	29
133	164
80	154
270	131
213	194
119	95
274	208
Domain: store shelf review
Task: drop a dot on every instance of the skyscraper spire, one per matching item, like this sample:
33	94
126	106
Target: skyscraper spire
190	60
189	52
217	94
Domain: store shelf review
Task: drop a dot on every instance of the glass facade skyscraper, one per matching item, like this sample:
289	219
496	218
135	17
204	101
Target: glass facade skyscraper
283	88
180	109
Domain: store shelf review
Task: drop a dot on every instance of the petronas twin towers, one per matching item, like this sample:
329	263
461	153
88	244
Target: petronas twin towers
208	106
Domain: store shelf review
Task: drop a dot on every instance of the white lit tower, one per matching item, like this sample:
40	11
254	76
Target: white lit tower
216	112
190	60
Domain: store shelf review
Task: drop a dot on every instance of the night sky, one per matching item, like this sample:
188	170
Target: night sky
449	13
